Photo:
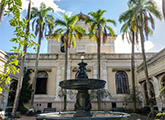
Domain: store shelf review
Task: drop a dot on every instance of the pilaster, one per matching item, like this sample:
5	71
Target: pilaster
157	88
105	76
58	79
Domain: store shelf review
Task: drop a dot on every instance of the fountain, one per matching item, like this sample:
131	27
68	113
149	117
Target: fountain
83	104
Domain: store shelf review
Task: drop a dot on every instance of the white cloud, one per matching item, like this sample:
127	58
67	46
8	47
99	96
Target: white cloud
36	3
122	46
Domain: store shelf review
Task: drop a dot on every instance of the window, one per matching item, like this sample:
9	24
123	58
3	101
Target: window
41	85
122	85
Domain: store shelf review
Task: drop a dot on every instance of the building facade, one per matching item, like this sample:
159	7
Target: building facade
115	70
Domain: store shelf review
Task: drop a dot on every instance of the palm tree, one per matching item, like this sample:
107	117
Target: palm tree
19	84
144	10
43	20
99	27
163	7
68	31
129	28
2	9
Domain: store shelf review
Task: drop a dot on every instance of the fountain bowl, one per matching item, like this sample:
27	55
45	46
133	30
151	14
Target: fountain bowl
97	115
82	83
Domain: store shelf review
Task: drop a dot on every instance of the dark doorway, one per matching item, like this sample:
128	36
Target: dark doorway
113	104
12	92
41	84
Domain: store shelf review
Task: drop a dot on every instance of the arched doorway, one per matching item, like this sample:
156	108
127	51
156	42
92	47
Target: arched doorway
152	94
12	93
122	85
163	85
41	85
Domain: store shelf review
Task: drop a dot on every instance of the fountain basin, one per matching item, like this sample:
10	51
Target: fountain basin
97	115
82	84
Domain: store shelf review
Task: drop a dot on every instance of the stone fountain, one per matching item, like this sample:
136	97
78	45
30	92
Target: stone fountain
83	103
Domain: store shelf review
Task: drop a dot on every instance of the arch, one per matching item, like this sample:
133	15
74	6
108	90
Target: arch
41	84
122	85
12	93
152	94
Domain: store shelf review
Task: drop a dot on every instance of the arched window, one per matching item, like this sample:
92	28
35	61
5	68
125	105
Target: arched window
152	93
12	92
41	85
122	85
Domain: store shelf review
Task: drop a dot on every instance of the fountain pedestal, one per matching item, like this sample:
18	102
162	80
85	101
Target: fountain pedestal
83	104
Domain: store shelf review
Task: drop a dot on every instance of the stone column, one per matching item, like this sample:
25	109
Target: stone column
58	79
105	77
140	89
156	89
4	105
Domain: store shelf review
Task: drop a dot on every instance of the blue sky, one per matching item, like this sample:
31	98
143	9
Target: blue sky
114	9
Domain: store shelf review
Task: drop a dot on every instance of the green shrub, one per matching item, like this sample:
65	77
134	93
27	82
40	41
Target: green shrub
17	116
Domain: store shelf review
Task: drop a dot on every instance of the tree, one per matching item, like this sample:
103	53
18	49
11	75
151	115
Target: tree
144	10
97	29
43	20
129	28
2	9
68	31
25	91
163	7
20	79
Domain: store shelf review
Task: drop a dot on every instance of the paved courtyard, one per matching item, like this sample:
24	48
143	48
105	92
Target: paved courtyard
133	117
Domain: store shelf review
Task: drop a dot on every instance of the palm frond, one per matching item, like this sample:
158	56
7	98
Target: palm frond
72	20
155	12
33	24
42	6
60	23
111	31
89	20
50	9
57	34
111	21
73	41
146	25
104	35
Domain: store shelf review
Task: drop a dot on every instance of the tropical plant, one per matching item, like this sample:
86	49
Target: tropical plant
19	84
98	27
144	9
129	29
68	30
42	20
25	91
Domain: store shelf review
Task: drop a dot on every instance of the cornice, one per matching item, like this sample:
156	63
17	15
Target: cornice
153	60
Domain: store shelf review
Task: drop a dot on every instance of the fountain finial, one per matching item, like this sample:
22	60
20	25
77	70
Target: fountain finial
82	70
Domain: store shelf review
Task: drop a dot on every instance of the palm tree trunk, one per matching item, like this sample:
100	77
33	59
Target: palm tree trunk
98	64
19	84
133	71
2	8
65	70
36	67
144	61
163	7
